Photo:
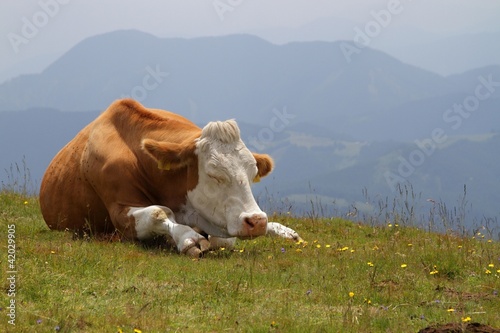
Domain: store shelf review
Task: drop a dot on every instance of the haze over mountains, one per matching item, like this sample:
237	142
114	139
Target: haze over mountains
444	54
335	124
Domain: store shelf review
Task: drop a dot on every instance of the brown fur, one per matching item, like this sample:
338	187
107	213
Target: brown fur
113	164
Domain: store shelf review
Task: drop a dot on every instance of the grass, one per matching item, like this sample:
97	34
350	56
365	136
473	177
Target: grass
347	277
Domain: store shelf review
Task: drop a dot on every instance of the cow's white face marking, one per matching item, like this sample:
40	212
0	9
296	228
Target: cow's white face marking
225	170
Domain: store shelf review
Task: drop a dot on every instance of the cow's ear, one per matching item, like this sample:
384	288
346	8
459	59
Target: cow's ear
264	165
169	155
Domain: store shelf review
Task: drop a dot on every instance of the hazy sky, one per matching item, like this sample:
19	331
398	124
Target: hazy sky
35	28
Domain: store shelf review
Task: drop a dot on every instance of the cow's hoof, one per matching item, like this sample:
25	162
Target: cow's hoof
298	239
295	237
196	250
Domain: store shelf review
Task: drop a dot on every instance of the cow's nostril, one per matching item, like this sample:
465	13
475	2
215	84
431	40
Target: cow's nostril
250	222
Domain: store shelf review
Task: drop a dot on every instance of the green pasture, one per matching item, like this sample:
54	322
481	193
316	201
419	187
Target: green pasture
345	277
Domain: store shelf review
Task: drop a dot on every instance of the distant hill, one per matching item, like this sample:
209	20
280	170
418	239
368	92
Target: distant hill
334	127
450	55
240	77
223	75
444	55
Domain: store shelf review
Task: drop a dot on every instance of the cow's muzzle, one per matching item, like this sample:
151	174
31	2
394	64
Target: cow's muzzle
253	225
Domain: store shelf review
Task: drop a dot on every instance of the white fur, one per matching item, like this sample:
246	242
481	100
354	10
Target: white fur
277	229
159	220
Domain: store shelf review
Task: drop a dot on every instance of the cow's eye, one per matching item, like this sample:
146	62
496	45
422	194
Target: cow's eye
216	178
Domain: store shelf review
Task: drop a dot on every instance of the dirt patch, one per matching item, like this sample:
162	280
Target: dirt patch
460	328
465	295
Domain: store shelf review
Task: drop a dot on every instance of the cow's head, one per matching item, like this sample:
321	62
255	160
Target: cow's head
226	168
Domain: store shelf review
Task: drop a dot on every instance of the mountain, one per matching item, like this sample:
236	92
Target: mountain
445	54
333	126
450	55
242	77
226	76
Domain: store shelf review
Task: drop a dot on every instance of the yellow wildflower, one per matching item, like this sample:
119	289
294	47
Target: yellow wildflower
370	264
491	265
451	310
466	319
351	294
404	265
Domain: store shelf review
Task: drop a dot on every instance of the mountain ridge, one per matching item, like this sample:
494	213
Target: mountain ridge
332	126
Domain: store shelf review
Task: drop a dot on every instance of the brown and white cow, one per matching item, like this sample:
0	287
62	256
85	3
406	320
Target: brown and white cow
145	172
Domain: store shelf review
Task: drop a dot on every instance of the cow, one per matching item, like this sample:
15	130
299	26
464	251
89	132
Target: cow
139	172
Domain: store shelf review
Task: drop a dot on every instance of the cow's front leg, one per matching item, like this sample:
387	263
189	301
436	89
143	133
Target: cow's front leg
277	229
160	220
